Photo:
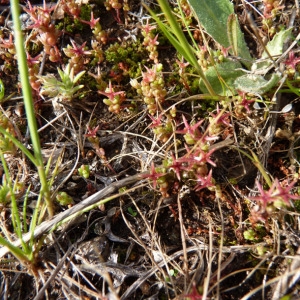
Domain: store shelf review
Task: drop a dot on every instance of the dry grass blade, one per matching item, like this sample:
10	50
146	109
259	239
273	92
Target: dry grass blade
53	275
267	284
289	279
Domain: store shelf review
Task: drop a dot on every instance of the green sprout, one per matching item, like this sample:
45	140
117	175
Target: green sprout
84	171
250	235
64	89
64	199
132	212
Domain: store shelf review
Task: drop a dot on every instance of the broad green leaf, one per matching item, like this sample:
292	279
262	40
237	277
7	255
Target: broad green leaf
213	16
275	48
228	73
256	84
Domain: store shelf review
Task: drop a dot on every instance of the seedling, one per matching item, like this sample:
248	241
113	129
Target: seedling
63	198
132	212
84	171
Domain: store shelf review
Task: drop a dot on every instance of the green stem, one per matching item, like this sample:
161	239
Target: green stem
16	221
257	164
28	103
182	41
17	252
19	145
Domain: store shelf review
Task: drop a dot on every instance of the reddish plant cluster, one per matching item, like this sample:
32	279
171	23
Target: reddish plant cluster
192	168
192	134
243	104
276	196
95	141
163	130
77	56
152	88
71	7
271	7
182	73
276	193
291	64
99	34
114	99
33	69
117	5
194	294
150	41
47	33
9	45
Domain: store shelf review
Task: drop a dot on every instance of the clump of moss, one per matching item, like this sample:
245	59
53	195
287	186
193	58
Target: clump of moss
126	57
85	12
73	25
297	205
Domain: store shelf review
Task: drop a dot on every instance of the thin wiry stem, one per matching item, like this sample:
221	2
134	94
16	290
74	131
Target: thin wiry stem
28	103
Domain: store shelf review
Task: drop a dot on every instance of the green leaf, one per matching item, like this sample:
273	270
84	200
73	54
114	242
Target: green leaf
18	253
232	32
174	33
228	73
78	76
213	15
275	48
2	90
132	212
250	235
63	198
176	36
256	84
